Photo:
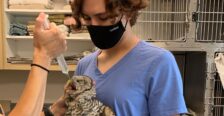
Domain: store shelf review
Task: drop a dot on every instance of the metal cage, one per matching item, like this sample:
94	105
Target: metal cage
164	20
210	21
218	107
218	97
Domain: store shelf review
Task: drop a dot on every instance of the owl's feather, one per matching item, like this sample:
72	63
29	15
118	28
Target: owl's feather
82	100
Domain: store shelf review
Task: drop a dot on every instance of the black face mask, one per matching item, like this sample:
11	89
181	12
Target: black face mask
105	37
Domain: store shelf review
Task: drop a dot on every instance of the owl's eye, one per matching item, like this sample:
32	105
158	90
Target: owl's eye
81	82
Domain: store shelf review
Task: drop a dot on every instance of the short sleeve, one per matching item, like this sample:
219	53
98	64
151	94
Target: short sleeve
78	69
165	92
84	63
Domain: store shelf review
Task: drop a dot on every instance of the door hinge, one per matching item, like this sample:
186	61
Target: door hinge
194	16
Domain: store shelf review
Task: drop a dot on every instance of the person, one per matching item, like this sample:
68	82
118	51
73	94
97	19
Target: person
133	77
47	45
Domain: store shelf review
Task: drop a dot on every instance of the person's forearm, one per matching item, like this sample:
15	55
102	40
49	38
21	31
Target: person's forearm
40	104
42	94
35	88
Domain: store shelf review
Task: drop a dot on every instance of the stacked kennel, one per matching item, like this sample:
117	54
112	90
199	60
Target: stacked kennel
194	31
164	20
210	21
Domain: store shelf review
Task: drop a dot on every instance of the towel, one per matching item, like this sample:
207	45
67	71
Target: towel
44	2
18	29
67	7
219	62
27	4
63	28
31	6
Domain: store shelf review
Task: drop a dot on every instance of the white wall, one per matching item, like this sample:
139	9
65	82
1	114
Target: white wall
12	83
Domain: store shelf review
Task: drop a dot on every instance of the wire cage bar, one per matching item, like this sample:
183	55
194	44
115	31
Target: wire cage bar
210	22
163	20
218	97
218	106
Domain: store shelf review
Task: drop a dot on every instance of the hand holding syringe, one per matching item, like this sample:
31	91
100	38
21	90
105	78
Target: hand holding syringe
60	59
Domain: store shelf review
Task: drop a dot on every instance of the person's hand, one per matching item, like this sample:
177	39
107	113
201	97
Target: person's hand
50	42
59	108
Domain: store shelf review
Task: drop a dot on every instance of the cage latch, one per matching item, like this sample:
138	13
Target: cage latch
194	16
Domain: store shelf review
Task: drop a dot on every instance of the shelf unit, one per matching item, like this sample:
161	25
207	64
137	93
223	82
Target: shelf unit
35	12
9	66
22	45
76	37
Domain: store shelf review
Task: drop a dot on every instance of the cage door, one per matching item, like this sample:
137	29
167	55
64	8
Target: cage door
210	22
163	20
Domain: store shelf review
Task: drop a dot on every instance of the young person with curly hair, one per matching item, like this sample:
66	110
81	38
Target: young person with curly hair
133	77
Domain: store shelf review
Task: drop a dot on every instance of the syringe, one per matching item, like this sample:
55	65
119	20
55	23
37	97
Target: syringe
63	65
60	59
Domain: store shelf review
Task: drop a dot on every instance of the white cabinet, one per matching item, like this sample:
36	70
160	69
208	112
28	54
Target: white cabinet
22	46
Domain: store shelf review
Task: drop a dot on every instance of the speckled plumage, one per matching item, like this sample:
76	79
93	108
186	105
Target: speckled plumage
82	100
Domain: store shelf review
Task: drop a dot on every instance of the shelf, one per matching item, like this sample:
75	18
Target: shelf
19	37
35	12
9	66
78	37
22	45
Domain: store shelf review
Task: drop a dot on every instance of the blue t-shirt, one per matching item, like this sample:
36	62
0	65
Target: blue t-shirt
145	82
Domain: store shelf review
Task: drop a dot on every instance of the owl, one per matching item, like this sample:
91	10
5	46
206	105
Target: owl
82	99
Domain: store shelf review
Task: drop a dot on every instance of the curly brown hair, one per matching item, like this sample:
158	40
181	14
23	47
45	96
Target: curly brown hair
114	7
